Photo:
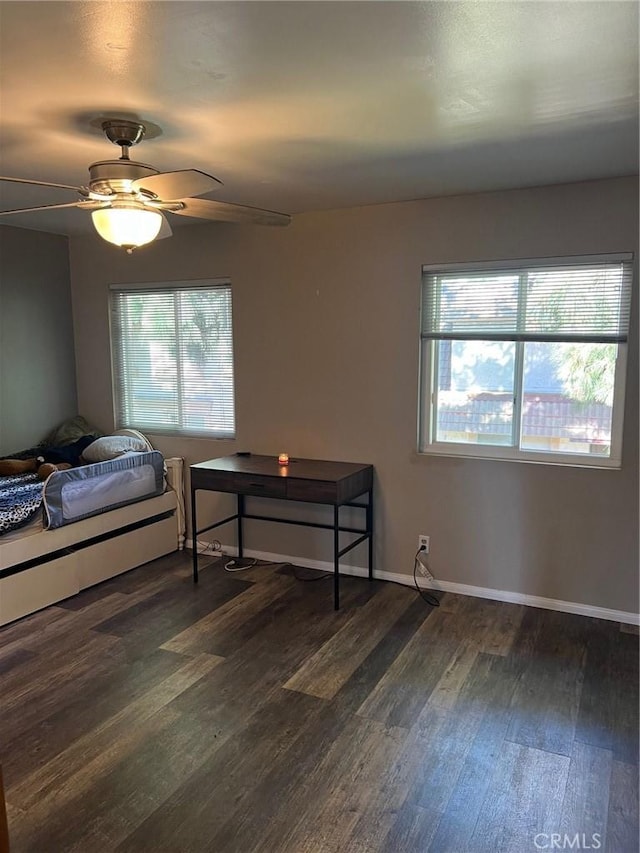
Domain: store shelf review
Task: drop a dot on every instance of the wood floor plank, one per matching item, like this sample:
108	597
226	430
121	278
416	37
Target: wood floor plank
330	667
519	807
436	662
111	743
403	691
625	730
291	791
307	819
92	595
447	689
411	832
548	697
215	631
15	658
586	797
366	791
301	622
622	820
418	782
95	809
73	769
30	626
200	808
207	778
58	631
488	690
247	634
155	619
442	741
415	768
495	625
109	691
608	715
39	691
596	711
87	618
39	673
366	676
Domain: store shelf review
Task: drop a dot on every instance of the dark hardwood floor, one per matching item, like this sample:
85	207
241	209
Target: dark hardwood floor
244	714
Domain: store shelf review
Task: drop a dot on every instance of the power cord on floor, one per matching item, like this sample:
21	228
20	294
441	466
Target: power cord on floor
315	577
234	565
237	564
426	596
240	565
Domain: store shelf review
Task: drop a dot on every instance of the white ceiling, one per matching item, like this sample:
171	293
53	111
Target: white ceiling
300	106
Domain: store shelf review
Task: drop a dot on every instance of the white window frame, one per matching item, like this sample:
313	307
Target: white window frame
169	286
428	385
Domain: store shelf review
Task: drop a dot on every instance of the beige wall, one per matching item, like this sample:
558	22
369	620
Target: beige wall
37	368
326	348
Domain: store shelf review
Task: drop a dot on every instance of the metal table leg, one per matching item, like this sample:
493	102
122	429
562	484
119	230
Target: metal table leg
240	515
369	522
336	559
194	535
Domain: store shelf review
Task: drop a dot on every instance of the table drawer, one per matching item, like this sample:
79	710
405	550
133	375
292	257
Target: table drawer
314	491
270	487
242	484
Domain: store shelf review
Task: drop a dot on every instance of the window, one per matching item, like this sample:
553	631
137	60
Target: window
526	360
172	353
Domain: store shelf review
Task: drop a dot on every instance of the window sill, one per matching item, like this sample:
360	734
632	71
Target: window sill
501	454
174	433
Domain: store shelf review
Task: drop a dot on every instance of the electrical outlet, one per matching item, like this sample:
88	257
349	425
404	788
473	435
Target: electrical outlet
423	543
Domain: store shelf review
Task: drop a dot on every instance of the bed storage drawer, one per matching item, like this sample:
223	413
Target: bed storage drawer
121	553
38	587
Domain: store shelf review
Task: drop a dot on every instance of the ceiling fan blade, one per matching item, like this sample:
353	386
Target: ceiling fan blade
224	211
165	229
40	183
181	184
41	207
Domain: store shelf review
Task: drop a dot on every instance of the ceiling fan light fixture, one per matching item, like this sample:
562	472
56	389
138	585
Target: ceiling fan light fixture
127	224
126	197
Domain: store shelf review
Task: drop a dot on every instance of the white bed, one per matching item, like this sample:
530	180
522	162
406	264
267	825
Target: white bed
39	567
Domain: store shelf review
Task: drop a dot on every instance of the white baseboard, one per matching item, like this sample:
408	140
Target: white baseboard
457	588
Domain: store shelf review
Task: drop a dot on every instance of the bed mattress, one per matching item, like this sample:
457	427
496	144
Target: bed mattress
20	499
33	525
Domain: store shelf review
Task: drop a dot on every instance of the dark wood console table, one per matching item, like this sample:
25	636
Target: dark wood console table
308	480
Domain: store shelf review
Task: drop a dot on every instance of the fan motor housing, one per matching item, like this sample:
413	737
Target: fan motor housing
115	176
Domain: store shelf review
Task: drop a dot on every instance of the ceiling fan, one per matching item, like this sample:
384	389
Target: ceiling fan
128	200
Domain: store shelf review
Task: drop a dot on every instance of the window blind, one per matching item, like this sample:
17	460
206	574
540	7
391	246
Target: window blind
172	350
587	302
